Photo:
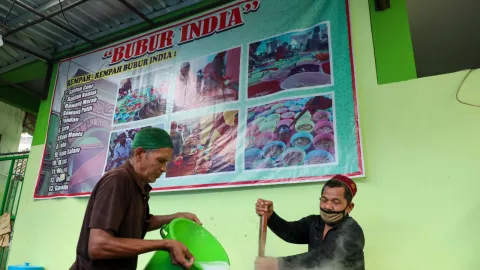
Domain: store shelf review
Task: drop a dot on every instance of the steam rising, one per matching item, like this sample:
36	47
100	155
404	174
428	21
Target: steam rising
343	259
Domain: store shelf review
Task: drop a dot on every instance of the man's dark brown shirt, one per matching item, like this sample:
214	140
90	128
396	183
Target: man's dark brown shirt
118	204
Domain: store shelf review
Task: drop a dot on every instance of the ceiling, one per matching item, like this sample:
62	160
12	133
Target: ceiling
50	30
445	35
40	29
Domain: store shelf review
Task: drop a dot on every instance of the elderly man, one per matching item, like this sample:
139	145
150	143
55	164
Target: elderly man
118	216
177	140
335	240
185	88
121	150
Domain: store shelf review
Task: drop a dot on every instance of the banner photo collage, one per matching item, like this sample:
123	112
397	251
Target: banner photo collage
255	92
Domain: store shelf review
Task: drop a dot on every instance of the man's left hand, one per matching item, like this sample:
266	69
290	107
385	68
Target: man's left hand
190	216
266	263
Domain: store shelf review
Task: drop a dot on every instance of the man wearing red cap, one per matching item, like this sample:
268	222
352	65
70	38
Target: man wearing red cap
335	240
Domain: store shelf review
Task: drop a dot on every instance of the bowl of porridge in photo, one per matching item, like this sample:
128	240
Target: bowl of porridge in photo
281	110
293	156
304	125
275	117
273	150
287	115
319	157
277	106
259	120
252	155
325	142
324	127
321	116
302	140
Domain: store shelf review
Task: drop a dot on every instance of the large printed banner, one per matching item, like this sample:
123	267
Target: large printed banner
255	92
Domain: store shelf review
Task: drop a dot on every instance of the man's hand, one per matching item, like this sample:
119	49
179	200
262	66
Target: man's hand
180	254
318	103
264	207
190	216
266	263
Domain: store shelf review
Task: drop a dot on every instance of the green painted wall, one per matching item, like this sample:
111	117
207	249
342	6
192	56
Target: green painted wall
43	115
25	101
19	99
419	143
394	56
32	71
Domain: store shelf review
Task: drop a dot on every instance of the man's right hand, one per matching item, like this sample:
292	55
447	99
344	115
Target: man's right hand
180	254
264	207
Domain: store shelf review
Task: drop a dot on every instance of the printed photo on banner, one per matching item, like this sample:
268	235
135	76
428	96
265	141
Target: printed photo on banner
293	60
291	132
119	147
207	80
204	144
142	96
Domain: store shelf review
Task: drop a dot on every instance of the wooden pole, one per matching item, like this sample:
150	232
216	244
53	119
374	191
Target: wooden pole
262	237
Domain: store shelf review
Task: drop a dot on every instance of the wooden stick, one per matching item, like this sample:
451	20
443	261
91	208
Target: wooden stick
298	117
262	237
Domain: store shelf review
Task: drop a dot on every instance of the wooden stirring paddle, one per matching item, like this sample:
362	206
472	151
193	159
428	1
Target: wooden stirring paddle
262	236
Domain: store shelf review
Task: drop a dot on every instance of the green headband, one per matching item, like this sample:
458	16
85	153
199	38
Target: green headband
152	138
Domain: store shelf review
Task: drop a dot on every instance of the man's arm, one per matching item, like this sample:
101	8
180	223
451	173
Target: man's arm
111	201
343	254
296	232
156	222
116	155
103	245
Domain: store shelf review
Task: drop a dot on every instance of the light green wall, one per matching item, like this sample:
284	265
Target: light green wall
418	205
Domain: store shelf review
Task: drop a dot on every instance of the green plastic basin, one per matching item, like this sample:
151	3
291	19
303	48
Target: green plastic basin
201	243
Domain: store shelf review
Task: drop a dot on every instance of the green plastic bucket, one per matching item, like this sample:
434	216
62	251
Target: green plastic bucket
200	242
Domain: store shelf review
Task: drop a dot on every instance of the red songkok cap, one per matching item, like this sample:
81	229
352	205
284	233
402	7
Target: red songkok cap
348	182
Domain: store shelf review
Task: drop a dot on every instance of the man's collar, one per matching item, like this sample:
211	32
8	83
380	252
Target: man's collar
144	187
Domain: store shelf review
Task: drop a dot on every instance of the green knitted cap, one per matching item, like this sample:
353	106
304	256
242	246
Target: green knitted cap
152	138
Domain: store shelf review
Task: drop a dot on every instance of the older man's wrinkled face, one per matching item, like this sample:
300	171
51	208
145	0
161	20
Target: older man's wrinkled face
153	164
